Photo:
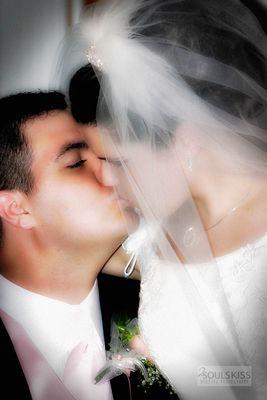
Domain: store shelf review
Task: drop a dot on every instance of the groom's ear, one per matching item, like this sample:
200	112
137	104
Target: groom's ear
15	210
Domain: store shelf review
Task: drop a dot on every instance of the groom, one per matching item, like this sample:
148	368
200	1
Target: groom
59	225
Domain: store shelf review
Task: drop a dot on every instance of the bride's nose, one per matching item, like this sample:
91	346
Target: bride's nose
108	175
102	170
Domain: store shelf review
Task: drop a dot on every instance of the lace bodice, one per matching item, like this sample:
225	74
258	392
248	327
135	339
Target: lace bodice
170	328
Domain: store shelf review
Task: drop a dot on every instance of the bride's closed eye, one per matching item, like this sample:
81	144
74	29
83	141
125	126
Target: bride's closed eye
115	162
78	164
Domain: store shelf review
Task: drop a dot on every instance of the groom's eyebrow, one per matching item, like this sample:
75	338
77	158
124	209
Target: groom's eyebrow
70	146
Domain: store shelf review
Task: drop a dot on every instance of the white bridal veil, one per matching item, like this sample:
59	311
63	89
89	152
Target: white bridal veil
172	72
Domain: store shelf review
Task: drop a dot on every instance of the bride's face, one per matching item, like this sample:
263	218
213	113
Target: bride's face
148	179
151	179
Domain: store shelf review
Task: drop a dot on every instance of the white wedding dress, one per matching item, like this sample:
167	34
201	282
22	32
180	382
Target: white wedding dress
171	331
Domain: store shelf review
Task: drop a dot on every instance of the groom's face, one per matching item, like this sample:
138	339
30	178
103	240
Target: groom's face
70	203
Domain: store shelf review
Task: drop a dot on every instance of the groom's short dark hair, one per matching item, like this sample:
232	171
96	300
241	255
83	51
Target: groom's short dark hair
15	151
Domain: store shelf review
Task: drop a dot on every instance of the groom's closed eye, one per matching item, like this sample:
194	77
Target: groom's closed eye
73	154
78	164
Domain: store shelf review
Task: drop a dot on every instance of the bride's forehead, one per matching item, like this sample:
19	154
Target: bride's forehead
152	145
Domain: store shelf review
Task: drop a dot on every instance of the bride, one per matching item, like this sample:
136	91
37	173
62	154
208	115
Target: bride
183	117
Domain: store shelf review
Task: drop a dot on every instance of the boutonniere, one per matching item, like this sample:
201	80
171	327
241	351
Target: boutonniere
127	354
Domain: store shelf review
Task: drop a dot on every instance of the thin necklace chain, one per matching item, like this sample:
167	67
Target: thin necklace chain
233	209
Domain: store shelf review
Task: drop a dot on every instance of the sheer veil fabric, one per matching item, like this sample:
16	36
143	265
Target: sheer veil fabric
177	75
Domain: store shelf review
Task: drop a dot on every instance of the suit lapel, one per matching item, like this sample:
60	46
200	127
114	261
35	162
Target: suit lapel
13	380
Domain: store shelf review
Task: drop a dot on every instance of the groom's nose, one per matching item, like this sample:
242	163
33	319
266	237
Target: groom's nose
95	166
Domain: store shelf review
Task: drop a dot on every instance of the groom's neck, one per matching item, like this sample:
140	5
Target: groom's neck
57	273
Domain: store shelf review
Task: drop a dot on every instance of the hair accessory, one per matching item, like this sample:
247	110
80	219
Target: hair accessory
93	58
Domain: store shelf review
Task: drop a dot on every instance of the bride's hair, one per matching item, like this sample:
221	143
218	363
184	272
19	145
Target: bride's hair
216	50
206	30
83	95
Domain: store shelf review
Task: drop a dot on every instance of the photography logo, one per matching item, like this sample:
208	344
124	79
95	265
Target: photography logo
239	375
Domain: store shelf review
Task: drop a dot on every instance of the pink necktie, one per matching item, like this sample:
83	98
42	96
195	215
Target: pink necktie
81	368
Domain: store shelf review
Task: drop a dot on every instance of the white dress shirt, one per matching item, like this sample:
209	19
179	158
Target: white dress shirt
55	327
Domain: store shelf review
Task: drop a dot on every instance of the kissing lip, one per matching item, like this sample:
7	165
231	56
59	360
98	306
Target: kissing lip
125	204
